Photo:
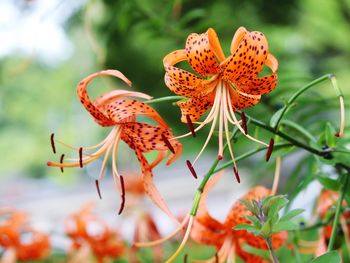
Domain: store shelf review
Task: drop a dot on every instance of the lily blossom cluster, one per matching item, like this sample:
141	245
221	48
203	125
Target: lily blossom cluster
19	239
115	109
91	236
221	85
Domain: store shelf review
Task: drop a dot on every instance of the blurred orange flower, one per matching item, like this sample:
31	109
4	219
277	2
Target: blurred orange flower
91	234
223	85
228	242
115	109
19	240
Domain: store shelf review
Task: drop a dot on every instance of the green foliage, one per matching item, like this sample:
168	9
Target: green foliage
266	220
332	256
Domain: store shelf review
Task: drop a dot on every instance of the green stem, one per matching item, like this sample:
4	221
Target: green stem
286	137
250	153
297	94
337	213
300	129
168	98
272	252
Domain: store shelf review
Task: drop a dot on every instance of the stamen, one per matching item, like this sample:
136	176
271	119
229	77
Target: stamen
53	142
342	117
216	257
193	172
167	143
122	194
235	170
220	157
98	188
61	162
184	241
244	122
185	258
81	157
221	124
190	125
269	150
277	175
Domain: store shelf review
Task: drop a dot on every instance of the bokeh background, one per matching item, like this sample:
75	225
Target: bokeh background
48	46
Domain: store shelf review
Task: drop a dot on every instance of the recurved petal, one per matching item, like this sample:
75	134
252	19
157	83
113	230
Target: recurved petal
259	86
248	57
150	188
241	101
183	83
121	110
146	137
206	236
201	50
98	115
195	107
174	57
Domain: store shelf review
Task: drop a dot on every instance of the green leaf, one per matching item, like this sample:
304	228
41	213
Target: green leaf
250	228
330	257
277	205
275	119
248	204
265	231
256	251
330	138
293	213
284	225
254	220
329	183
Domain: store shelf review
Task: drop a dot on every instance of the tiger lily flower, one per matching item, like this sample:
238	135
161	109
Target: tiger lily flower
229	242
19	240
327	200
117	110
91	235
219	84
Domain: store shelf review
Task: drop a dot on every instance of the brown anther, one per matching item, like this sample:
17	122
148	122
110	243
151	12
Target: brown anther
168	144
269	150
81	157
244	123
216	257
219	157
193	172
337	134
98	189
236	174
122	194
190	125
185	258
52	139
61	161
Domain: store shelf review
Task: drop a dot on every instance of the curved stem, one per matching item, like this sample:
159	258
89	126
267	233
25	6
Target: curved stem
272	252
337	213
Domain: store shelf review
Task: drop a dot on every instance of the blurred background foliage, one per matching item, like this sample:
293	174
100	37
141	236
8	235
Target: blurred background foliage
309	38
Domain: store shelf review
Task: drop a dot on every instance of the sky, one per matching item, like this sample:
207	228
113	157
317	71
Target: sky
36	28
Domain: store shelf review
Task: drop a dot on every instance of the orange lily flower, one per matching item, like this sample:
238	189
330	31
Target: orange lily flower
224	85
20	240
327	200
228	242
91	234
116	109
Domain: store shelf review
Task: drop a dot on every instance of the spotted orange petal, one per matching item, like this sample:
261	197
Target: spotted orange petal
150	188
183	83
201	50
203	235
249	55
259	86
98	115
241	101
195	107
121	110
